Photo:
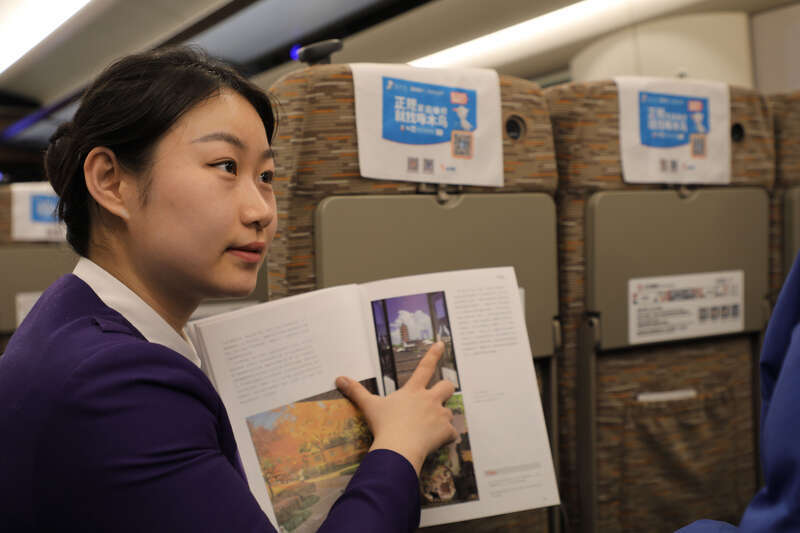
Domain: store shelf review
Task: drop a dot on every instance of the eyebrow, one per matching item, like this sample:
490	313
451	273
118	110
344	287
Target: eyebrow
229	138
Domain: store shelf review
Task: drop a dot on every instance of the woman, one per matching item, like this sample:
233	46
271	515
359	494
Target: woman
106	421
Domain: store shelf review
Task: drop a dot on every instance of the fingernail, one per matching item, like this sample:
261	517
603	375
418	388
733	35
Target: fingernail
341	382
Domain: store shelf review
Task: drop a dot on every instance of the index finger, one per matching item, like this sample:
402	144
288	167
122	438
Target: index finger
426	367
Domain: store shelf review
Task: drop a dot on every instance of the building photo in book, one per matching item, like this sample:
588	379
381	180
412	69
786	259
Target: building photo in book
308	451
405	329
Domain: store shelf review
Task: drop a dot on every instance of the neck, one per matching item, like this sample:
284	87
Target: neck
175	308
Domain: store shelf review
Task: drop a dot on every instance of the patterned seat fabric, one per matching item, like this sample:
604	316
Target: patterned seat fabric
317	156
786	114
658	465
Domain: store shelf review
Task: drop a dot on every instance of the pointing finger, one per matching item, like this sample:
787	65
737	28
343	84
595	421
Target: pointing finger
427	366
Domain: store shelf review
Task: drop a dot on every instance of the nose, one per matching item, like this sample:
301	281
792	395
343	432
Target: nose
258	207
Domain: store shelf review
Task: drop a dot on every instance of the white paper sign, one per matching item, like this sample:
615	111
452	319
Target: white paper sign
674	131
33	217
685	306
428	125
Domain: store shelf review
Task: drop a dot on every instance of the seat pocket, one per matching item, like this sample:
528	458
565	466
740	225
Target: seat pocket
680	461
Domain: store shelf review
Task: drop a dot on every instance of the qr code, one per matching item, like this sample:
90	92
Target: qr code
427	166
413	164
698	142
462	144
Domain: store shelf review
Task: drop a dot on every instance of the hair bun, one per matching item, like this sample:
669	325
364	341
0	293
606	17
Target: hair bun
59	160
64	130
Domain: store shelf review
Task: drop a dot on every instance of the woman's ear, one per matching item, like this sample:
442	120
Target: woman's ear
107	182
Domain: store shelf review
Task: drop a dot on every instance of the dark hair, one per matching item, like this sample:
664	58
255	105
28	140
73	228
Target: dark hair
127	109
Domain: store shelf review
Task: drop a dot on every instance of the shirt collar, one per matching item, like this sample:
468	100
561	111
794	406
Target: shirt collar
144	318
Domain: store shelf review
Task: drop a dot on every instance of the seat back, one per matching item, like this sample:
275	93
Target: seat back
632	459
32	252
337	227
317	157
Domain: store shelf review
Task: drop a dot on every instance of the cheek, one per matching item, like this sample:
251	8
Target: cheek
185	220
273	225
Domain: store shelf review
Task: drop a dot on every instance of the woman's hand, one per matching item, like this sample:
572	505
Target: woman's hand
411	421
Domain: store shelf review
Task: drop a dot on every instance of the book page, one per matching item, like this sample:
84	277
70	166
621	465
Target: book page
501	462
274	366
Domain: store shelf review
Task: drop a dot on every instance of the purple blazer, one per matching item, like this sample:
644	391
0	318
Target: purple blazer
101	430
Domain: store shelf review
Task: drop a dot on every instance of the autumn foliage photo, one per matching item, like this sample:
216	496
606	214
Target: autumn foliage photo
308	451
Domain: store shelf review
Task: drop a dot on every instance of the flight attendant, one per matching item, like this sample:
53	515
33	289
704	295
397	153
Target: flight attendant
106	421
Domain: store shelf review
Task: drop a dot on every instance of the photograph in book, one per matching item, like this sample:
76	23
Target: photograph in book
308	451
406	327
448	474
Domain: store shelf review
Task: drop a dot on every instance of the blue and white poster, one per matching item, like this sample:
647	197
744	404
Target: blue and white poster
33	213
428	125
674	131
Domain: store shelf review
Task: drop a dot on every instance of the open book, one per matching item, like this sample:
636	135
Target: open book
300	441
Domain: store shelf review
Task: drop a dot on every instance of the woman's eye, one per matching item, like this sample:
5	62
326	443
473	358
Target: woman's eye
266	177
227	166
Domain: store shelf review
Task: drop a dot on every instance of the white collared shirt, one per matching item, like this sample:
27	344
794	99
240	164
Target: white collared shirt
144	318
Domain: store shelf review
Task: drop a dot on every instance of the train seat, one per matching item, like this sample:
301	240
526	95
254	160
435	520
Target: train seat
656	433
336	226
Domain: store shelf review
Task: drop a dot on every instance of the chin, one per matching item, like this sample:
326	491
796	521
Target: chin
231	287
239	290
240	293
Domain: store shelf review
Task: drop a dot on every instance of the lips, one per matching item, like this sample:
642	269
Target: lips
250	253
256	247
